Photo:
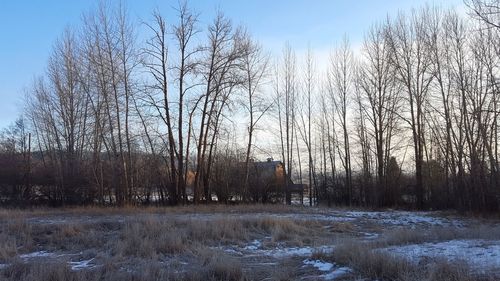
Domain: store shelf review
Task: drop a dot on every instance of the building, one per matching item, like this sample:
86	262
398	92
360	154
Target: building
267	182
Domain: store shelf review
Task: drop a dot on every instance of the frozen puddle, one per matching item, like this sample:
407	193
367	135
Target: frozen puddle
482	256
327	267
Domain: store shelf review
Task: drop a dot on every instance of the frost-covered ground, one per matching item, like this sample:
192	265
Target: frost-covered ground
483	256
387	218
259	244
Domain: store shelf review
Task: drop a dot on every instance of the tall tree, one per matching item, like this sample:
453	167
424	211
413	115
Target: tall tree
340	77
255	67
411	59
379	99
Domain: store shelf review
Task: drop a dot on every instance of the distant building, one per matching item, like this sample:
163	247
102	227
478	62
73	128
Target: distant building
267	180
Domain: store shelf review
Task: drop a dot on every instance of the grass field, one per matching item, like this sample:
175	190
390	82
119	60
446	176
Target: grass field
252	242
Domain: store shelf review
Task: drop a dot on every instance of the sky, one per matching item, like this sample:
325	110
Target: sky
28	29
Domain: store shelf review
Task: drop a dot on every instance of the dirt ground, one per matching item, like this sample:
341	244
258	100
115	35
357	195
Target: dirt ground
253	242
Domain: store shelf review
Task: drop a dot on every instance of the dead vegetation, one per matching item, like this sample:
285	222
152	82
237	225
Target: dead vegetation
164	244
154	244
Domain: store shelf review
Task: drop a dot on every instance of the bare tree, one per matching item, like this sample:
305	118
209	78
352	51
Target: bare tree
340	78
378	99
184	32
305	117
286	91
411	59
486	10
224	51
255	67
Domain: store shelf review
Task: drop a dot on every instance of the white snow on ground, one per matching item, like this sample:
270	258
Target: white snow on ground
337	273
79	265
47	221
327	267
256	244
254	250
75	265
39	254
293	251
370	235
395	218
318	217
320	265
405	218
233	251
483	256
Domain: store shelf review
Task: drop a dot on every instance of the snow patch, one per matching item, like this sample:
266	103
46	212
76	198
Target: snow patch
255	245
481	255
75	265
327	267
253	250
233	251
337	273
79	265
320	265
47	220
297	251
370	236
404	218
39	254
317	217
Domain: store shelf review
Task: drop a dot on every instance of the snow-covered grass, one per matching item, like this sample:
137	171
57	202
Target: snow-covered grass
483	256
255	245
337	273
80	265
320	265
402	218
283	252
38	254
330	270
241	242
280	251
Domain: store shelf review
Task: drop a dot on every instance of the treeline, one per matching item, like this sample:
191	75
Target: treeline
408	120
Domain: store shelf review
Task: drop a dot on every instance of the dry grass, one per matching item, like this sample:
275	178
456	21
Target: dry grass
146	246
216	265
39	271
284	271
184	243
8	248
342	227
8	214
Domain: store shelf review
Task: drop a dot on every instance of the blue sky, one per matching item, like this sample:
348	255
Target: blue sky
28	29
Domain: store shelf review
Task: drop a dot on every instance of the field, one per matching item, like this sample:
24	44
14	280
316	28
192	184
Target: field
254	242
